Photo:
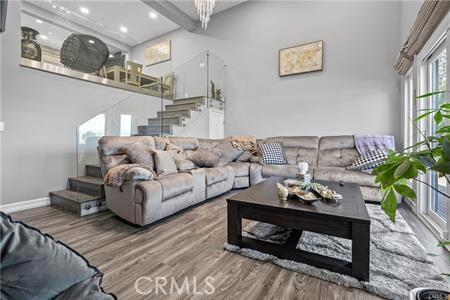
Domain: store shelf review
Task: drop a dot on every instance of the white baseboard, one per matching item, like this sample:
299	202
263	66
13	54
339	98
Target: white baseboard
9	208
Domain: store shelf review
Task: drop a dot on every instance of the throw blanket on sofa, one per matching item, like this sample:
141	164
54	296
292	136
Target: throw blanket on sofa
117	175
244	143
369	143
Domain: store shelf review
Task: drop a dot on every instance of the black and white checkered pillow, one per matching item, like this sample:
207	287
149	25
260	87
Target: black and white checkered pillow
272	153
369	161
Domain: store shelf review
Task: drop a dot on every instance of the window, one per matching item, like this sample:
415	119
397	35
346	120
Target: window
437	81
94	128
125	125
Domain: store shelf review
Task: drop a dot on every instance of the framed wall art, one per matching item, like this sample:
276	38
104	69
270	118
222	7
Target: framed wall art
301	59
158	53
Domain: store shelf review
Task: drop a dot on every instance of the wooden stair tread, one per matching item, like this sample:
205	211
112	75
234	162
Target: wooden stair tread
88	179
74	196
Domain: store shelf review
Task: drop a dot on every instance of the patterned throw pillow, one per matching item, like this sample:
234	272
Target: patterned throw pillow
369	161
272	153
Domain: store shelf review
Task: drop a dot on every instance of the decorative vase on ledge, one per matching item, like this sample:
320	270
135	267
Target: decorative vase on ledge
29	45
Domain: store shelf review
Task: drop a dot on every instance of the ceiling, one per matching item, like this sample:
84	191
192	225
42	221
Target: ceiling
107	18
188	6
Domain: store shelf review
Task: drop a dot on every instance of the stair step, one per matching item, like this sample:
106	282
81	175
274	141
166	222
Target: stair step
199	99
166	121
189	105
175	113
155	129
88	185
94	171
79	203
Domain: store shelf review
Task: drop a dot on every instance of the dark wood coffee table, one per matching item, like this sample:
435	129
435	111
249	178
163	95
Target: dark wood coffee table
348	218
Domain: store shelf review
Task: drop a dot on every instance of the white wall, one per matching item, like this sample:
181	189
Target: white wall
357	92
41	112
408	14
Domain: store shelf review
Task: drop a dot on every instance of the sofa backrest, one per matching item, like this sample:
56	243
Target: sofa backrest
112	148
299	148
337	151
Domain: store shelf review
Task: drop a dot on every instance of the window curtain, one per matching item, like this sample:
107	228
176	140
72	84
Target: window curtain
430	15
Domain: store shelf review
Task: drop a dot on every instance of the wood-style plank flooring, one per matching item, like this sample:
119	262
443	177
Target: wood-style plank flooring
188	245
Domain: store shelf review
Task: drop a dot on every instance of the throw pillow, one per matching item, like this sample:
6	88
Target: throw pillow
246	156
140	154
182	162
272	153
229	153
369	161
206	157
164	163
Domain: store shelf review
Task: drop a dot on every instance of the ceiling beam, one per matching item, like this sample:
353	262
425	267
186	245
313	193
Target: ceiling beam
173	13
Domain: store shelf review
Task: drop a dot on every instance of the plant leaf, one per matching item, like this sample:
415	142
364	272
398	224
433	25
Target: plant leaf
442	167
438	117
430	94
389	204
402	169
444	244
424	115
405	190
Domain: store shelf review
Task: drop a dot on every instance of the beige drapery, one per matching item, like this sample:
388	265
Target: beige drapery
430	15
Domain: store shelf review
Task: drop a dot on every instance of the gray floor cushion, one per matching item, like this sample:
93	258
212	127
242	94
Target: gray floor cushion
35	266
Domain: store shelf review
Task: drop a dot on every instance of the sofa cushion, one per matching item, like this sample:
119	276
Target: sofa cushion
214	175
341	174
34	265
175	184
240	168
287	171
164	163
229	153
161	142
110	145
337	151
185	143
299	148
205	157
141	154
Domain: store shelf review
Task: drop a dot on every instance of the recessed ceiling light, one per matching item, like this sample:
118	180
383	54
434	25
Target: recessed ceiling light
39	21
111	55
91	42
43	37
54	6
68	12
84	10
123	29
153	15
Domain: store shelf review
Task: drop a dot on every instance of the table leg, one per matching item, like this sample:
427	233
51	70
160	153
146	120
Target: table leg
234	224
360	251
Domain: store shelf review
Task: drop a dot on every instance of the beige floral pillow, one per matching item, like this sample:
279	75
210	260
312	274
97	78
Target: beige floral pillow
164	163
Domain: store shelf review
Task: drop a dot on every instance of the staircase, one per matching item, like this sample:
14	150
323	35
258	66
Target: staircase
175	115
85	195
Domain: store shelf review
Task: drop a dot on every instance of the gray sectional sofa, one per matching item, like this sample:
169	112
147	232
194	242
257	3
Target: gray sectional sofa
144	202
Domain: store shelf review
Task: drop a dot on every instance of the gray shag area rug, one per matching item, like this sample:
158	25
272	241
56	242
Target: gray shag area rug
398	262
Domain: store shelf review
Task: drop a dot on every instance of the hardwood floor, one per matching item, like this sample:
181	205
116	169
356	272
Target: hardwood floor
188	246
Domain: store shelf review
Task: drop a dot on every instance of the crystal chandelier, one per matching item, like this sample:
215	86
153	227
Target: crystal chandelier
205	10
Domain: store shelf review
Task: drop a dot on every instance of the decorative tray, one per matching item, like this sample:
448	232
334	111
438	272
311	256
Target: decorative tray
305	195
325	192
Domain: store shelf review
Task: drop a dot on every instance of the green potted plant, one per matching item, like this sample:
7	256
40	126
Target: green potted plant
431	154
